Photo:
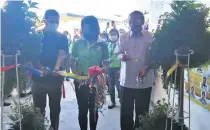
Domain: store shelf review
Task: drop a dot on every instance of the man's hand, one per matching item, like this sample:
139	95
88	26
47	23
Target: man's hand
124	57
142	74
44	71
55	71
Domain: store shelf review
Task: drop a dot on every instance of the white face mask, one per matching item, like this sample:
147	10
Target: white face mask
113	38
103	40
51	27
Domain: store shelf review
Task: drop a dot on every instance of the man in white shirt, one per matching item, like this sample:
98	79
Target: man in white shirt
133	51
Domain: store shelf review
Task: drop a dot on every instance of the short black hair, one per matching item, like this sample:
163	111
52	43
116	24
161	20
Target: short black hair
66	32
93	22
139	13
51	12
114	30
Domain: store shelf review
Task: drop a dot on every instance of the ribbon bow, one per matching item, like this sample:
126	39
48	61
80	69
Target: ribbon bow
94	71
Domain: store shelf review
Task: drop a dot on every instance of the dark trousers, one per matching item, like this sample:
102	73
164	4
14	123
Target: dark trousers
113	74
86	101
39	92
129	96
107	82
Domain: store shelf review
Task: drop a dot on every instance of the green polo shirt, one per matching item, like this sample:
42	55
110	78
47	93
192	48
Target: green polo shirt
116	62
88	56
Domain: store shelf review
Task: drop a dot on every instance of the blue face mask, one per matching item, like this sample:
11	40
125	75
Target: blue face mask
51	27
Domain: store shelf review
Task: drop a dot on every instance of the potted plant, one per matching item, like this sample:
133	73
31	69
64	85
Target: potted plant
32	119
183	29
156	118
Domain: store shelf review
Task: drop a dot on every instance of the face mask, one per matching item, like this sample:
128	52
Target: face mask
103	40
90	36
51	27
113	38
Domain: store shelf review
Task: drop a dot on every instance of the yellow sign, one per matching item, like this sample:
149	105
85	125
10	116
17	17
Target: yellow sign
198	87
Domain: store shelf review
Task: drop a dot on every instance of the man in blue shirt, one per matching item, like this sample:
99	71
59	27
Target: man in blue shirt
54	50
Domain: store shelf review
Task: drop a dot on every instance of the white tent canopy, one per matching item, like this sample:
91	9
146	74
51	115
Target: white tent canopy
109	9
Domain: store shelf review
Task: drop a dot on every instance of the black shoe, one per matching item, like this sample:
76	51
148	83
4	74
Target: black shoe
111	106
9	95
29	93
7	104
23	95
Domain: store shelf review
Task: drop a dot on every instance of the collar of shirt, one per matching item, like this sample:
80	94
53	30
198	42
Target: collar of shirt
135	35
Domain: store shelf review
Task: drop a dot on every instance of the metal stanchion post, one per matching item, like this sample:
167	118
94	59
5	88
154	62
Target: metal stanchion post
174	86
191	52
181	116
2	90
18	87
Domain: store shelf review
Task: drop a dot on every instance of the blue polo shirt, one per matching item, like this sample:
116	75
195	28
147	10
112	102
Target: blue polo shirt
51	44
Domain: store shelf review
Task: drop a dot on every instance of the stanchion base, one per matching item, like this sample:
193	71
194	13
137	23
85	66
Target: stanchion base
12	122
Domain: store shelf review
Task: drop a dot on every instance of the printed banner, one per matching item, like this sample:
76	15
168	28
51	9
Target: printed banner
199	86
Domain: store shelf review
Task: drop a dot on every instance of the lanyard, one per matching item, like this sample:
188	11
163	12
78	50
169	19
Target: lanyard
112	48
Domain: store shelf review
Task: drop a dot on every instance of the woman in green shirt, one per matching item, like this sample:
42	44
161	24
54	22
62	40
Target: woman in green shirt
87	52
114	68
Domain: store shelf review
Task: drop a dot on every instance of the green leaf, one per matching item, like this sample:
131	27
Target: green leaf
33	5
178	32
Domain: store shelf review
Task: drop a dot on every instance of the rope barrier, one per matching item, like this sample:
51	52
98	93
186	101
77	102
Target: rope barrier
6	68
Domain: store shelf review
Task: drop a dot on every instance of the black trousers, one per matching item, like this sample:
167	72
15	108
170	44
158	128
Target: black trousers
107	82
129	96
86	101
113	81
39	93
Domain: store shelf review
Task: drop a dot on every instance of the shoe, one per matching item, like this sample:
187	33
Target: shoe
23	95
112	106
29	93
9	95
7	104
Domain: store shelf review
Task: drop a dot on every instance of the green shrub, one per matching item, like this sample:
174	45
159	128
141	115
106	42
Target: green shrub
156	119
33	119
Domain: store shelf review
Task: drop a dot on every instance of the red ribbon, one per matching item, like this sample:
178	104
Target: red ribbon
6	68
63	89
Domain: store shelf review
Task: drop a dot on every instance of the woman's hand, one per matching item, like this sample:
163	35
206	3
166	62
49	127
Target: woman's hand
124	57
106	62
